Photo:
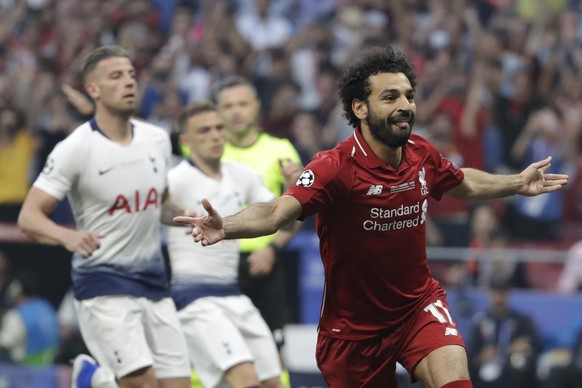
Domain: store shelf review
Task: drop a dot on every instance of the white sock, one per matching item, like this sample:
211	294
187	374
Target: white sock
103	378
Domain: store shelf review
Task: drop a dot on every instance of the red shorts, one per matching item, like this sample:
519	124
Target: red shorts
372	362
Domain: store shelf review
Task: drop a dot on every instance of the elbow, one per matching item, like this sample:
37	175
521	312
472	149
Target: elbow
21	222
24	224
272	229
274	226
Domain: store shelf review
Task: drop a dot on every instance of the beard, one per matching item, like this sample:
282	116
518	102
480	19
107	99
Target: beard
382	130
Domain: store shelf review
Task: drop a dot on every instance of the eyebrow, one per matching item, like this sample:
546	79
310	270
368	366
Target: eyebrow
121	71
395	90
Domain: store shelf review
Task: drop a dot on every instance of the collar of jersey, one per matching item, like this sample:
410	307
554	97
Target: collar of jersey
95	127
371	160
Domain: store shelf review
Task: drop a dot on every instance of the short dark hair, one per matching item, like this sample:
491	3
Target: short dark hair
99	54
234	81
193	110
354	82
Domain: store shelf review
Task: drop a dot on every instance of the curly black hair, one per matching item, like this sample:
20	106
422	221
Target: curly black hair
355	79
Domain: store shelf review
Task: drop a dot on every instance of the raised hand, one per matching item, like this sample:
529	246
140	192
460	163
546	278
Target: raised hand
206	230
538	182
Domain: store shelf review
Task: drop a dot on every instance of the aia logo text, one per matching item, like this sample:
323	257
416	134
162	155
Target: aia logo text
138	203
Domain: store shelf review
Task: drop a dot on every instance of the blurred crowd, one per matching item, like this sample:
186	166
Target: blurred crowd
499	83
499	80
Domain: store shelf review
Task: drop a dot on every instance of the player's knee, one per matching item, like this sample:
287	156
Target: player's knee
242	375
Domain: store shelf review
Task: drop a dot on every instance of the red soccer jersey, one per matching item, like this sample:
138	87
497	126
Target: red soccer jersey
371	225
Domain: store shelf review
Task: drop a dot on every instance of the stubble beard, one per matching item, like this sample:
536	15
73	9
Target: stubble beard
122	112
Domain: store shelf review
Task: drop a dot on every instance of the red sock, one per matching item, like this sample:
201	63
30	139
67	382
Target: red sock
459	384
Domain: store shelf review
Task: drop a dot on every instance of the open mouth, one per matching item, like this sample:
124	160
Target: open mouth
401	124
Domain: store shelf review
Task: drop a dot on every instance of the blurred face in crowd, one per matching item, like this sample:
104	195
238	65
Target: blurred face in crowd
499	301
8	121
390	109
239	107
484	222
204	134
112	85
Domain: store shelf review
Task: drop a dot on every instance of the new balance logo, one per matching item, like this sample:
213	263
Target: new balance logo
375	190
451	331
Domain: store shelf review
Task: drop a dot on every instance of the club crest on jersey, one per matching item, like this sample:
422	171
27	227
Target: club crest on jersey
306	178
153	161
422	180
49	165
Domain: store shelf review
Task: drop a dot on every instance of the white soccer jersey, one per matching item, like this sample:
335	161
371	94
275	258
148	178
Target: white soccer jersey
199	271
116	190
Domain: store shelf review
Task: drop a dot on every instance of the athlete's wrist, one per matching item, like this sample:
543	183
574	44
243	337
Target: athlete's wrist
276	248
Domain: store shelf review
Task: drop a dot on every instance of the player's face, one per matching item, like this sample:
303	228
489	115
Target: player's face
391	109
205	136
112	84
239	107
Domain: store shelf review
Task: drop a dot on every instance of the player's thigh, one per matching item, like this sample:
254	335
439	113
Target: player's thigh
166	339
215	344
113	332
434	350
443	365
257	335
362	363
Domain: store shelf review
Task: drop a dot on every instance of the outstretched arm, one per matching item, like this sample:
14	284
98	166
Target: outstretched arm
530	182
256	220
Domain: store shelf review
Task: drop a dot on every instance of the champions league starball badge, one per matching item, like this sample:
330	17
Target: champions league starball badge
306	179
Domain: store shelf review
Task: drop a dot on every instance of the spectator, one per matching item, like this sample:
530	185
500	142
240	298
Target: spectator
511	113
71	341
570	280
539	218
262	29
5	279
284	107
450	215
17	150
29	333
570	374
504	344
306	135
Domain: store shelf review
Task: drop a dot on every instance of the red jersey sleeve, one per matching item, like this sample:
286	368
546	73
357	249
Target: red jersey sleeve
324	182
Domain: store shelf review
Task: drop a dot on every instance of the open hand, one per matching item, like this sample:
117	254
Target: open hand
206	230
538	182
